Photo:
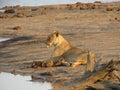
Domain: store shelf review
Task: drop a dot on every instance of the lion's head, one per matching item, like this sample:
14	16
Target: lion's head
53	39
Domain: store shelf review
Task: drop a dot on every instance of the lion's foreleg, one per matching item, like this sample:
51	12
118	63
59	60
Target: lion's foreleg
90	62
55	61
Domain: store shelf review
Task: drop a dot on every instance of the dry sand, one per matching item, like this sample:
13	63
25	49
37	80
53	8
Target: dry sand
95	29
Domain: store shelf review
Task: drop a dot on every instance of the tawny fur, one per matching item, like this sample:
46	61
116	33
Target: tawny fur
64	50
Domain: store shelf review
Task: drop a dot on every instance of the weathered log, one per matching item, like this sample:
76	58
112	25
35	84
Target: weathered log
104	85
88	80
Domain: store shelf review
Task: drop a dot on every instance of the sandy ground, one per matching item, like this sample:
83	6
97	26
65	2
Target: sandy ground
95	29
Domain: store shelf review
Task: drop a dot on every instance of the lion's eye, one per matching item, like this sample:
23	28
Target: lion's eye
48	39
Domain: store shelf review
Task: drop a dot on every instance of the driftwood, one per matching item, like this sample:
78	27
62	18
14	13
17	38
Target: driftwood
90	79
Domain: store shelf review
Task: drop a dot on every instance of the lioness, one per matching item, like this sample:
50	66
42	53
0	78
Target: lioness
69	54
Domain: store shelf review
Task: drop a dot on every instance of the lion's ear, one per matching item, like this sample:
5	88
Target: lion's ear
56	33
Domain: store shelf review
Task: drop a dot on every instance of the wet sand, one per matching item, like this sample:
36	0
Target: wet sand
21	82
95	29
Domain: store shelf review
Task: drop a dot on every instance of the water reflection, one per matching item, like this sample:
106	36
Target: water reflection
3	39
2	10
18	82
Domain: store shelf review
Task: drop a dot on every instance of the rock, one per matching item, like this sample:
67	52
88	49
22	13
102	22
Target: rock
34	9
97	2
20	14
109	9
71	6
17	28
10	11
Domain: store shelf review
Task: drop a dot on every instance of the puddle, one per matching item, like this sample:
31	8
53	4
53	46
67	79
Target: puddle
2	10
17	82
3	39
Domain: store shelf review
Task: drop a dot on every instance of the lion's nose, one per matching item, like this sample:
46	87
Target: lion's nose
48	43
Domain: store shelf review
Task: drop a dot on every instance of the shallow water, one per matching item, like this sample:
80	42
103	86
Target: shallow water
43	2
3	39
2	10
17	82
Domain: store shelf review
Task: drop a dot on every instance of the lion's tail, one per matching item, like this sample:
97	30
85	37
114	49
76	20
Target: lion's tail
90	61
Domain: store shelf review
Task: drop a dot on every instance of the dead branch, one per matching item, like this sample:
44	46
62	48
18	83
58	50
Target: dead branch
111	67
